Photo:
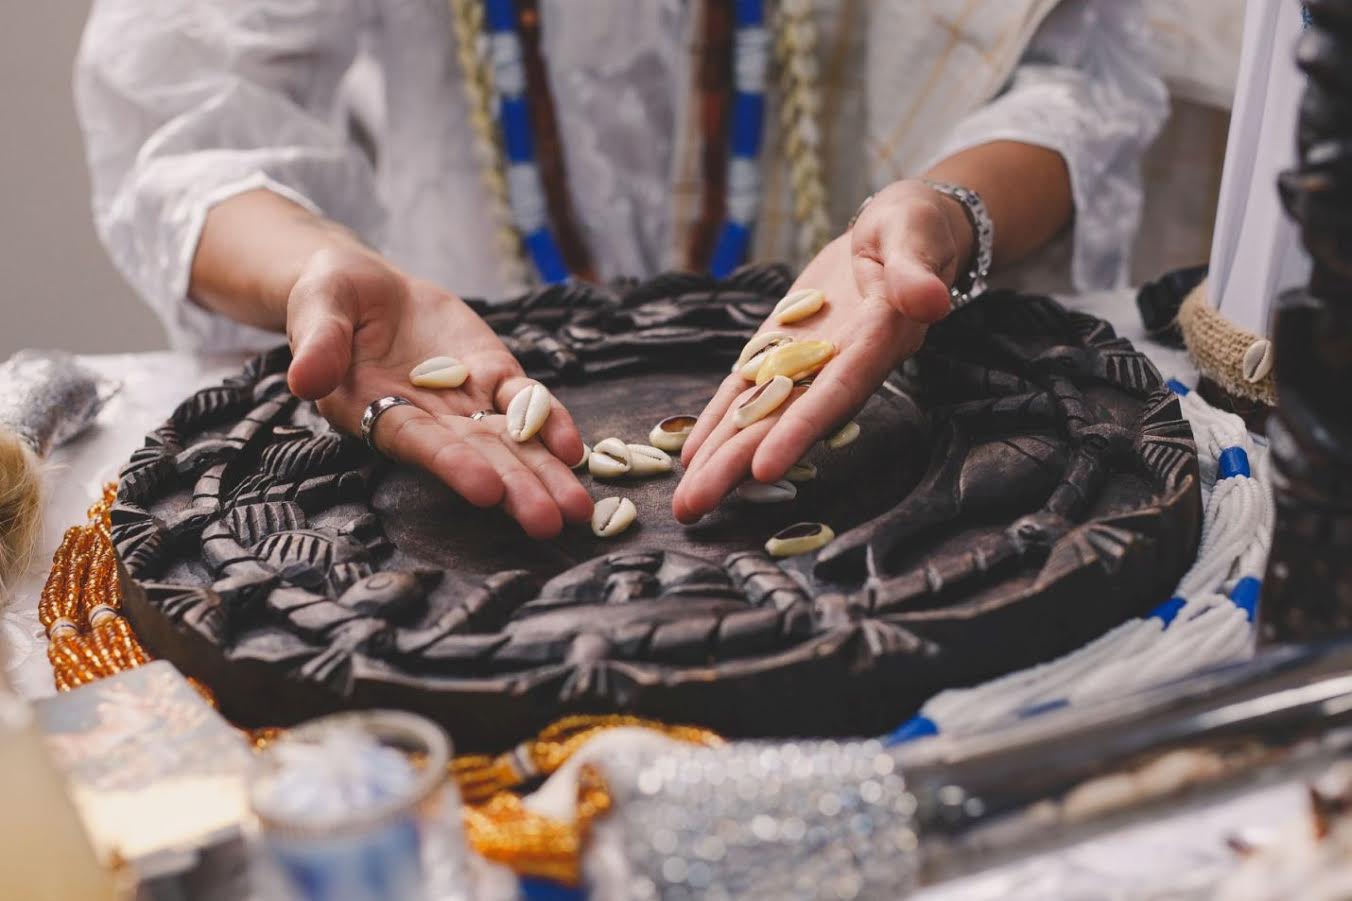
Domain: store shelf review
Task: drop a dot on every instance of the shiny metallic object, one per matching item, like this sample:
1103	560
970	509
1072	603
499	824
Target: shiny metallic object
373	412
48	397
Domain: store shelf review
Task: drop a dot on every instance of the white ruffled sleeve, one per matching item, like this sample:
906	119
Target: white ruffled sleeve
185	103
1088	89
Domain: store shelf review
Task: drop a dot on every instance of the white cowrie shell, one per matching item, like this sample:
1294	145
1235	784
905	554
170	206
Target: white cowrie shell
1257	360
527	412
439	372
801	472
612	515
799	538
767	492
798	305
647	461
763	401
610	459
756	350
846	435
586	455
670	434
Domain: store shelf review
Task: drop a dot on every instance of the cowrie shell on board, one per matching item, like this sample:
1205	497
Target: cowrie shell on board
798	305
767	492
612	515
798	360
756	350
527	412
1257	360
670	434
846	435
439	372
799	538
610	459
647	461
801	472
763	401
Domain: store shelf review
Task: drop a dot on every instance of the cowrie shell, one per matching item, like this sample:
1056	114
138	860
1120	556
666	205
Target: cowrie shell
798	360
799	538
798	305
801	472
767	492
1257	360
439	372
612	515
647	461
670	434
846	435
763	401
756	350
610	459
586	455
528	411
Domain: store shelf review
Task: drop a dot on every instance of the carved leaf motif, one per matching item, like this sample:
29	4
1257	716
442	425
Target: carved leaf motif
254	522
210	406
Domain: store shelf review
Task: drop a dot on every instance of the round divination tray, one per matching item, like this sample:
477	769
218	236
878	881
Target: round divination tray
1023	485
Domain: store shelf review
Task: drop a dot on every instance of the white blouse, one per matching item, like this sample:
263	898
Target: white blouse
187	102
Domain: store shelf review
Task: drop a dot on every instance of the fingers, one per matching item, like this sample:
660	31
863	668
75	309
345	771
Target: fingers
837	394
559	432
414	437
320	314
525	497
725	464
714	413
562	484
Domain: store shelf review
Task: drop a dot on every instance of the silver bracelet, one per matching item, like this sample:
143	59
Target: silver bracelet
973	284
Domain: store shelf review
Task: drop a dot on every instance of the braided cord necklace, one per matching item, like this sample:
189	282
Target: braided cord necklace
512	115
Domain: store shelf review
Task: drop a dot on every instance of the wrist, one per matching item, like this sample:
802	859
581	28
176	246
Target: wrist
963	233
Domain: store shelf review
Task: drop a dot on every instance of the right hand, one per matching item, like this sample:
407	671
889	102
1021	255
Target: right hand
357	326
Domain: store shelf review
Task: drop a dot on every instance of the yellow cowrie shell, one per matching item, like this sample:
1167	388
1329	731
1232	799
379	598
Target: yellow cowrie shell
798	305
801	472
756	350
767	492
763	401
527	412
586	454
846	435
670	434
799	538
798	360
439	372
647	461
612	515
610	459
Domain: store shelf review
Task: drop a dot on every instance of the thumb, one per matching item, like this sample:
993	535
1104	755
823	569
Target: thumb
915	288
319	327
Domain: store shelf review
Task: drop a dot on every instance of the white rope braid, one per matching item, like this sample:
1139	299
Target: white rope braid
796	50
1208	622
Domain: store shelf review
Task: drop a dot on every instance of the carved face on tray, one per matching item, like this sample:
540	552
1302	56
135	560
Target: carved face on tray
1024	485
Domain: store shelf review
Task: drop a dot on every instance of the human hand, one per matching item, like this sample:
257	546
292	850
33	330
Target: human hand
884	281
357	326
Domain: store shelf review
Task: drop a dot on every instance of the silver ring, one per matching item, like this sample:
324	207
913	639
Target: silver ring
373	412
480	415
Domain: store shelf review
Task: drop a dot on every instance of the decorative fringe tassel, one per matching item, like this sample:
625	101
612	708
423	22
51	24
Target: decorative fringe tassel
20	510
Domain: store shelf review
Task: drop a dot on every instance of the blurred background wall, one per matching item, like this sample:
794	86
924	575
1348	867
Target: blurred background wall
57	287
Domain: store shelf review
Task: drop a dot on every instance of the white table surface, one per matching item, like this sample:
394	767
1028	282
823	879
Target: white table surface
1178	857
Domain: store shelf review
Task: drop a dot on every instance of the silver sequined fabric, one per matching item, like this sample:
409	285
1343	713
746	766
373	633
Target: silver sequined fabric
47	398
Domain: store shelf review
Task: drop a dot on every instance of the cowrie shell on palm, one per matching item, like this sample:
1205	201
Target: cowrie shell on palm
439	372
798	305
799	538
763	401
527	412
647	461
767	492
610	459
801	472
586	455
798	360
1257	361
612	515
846	435
670	434
756	350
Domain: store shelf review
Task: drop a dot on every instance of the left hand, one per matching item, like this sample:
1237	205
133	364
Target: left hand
884	281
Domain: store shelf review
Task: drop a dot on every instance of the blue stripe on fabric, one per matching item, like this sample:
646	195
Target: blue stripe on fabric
748	117
749	13
1044	707
1178	387
500	15
918	726
1245	596
548	259
518	142
730	249
1233	462
535	889
1166	612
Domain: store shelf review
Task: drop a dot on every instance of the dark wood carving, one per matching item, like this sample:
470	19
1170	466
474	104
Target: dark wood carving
1020	487
1308	588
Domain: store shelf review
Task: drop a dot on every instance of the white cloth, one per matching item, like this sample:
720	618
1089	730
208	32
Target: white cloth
186	102
1256	252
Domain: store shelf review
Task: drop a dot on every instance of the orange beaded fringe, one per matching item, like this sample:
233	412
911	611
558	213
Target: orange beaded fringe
89	639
